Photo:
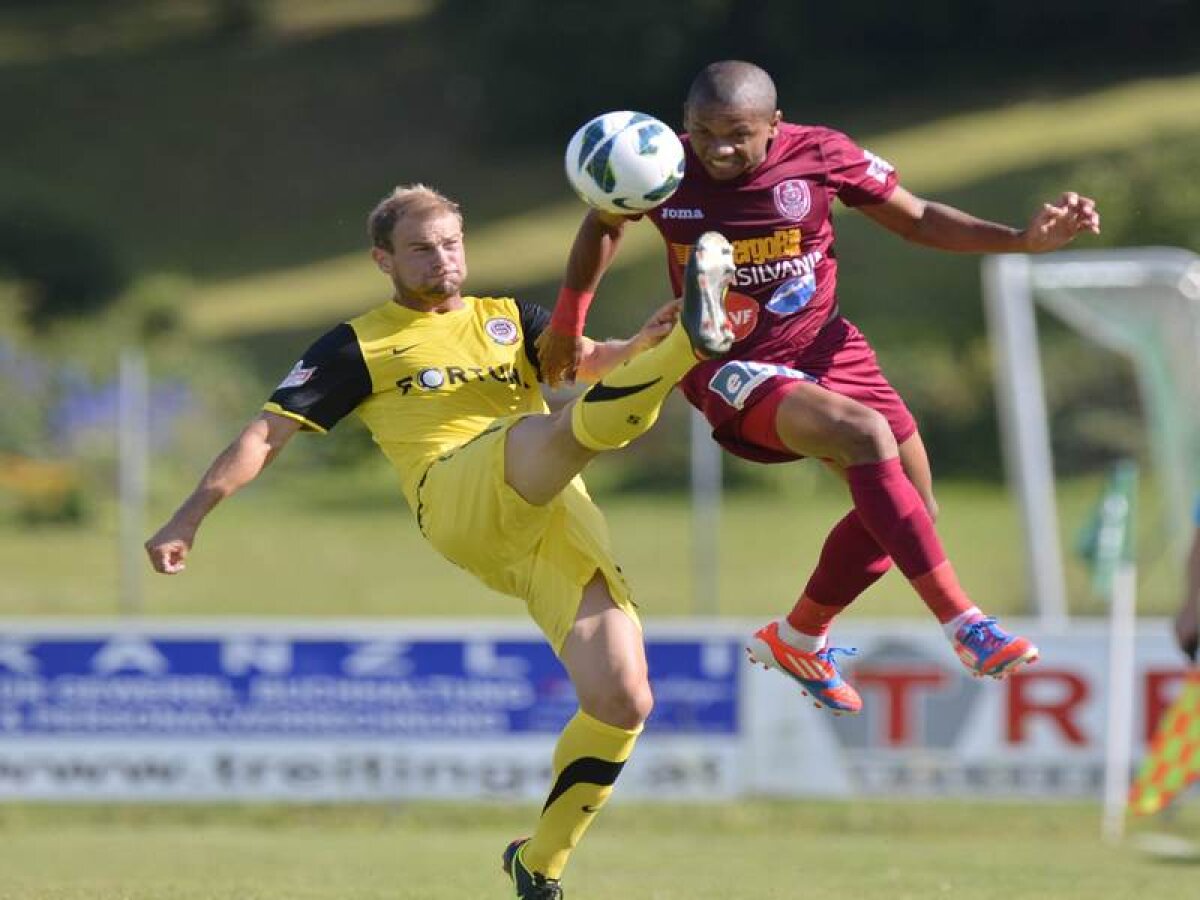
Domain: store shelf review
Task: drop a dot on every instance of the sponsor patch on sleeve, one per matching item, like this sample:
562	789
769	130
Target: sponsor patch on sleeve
879	168
298	376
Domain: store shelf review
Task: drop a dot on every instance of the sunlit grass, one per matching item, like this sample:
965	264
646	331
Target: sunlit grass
343	544
531	246
770	850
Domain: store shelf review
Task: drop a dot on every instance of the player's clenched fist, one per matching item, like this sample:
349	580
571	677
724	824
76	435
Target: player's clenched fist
168	550
558	356
1056	224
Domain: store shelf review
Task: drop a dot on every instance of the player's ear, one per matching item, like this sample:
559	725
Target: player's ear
382	260
776	118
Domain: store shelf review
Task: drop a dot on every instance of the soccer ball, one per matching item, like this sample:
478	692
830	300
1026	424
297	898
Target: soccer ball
624	162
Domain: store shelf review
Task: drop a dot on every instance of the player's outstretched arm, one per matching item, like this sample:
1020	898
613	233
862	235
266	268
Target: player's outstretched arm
235	467
601	357
560	346
948	228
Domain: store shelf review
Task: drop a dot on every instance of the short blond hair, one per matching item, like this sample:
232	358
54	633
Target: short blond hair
404	200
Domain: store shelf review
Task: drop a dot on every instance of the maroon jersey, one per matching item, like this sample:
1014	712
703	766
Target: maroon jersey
783	303
779	219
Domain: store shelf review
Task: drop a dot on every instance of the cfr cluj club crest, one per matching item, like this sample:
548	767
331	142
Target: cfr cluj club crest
792	198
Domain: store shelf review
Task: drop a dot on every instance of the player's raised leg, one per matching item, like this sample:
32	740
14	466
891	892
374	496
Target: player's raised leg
624	403
604	656
545	452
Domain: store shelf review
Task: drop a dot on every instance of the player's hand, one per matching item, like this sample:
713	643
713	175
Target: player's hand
1056	224
559	356
1187	630
169	548
658	326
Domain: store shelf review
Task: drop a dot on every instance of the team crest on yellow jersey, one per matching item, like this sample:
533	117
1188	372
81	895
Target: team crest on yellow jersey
502	331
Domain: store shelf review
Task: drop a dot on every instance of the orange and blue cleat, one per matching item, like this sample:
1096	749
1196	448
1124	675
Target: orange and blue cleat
987	649
816	673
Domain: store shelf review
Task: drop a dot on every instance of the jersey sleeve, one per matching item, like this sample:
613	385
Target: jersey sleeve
326	384
534	320
858	176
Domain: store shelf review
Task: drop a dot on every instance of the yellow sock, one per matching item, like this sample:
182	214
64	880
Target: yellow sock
625	403
587	760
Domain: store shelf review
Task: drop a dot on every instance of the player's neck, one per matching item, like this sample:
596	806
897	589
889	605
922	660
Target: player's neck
428	304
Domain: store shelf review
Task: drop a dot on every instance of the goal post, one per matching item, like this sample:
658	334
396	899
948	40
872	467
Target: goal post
1143	303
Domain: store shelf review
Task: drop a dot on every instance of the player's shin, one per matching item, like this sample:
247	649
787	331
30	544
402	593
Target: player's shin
587	760
626	402
851	561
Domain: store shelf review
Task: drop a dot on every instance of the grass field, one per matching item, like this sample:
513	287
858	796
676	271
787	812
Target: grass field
345	545
764	850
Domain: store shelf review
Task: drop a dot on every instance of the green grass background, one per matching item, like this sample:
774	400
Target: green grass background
756	849
342	543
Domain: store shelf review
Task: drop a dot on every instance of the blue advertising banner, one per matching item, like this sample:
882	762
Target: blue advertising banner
264	685
346	711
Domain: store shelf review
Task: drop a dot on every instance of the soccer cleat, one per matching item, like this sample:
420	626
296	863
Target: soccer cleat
529	885
987	649
817	673
709	271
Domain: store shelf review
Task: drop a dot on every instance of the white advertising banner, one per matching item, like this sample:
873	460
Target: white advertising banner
369	710
929	728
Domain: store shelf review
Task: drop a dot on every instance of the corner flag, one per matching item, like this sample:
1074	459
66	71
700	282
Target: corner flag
1173	762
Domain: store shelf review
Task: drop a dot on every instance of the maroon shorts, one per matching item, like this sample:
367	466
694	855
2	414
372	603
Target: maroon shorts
839	359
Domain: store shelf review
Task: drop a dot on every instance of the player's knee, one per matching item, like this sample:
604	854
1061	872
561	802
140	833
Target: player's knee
931	505
864	435
626	704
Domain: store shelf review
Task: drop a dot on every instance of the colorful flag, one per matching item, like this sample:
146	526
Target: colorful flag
1173	762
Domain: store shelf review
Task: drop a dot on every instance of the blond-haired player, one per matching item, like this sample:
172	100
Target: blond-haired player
448	385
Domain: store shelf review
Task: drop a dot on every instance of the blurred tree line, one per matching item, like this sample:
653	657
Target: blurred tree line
534	65
272	148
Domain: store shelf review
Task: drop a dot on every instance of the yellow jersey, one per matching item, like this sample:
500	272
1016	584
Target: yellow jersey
422	382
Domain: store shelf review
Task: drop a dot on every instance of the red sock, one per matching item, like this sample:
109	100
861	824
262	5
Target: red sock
942	593
851	561
893	512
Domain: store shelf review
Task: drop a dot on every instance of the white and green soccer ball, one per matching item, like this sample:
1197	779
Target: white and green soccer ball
624	162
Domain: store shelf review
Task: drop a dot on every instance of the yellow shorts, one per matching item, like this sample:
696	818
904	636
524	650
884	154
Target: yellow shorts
543	554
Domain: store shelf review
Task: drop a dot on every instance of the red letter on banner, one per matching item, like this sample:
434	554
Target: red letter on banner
900	685
1022	705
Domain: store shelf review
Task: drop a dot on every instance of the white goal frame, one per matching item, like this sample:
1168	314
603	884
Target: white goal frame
1010	287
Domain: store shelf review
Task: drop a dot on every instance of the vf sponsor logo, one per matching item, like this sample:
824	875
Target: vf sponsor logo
742	312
